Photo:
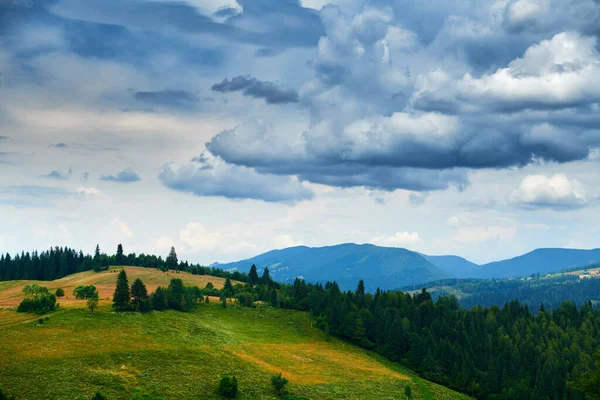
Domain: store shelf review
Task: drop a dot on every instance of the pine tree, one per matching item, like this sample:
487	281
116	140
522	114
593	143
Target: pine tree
122	297
266	277
253	275
120	257
228	288
139	293
172	262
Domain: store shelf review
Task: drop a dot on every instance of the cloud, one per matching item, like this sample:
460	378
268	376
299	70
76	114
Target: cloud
480	234
358	156
169	98
59	175
197	237
556	192
261	22
90	192
416	199
120	228
126	176
556	73
4	138
252	87
399	239
215	178
546	16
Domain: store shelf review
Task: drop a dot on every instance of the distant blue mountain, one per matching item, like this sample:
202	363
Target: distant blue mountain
383	267
454	265
538	261
391	268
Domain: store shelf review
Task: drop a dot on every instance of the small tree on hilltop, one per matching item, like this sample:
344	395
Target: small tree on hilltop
171	261
59	293
279	383
120	257
122	297
228	386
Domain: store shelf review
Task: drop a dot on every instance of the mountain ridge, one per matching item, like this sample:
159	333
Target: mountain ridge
394	267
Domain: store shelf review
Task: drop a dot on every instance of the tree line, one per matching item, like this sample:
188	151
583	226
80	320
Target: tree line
59	262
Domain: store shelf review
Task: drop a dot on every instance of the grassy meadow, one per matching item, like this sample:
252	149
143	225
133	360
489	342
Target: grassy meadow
174	355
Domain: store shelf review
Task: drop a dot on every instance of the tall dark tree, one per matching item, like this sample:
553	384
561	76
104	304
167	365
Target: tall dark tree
97	254
122	296
120	257
360	289
228	290
266	277
171	261
253	275
139	293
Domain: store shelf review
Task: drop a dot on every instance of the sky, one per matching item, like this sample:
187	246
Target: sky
229	128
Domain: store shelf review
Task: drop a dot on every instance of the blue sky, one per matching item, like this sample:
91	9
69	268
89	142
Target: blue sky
228	128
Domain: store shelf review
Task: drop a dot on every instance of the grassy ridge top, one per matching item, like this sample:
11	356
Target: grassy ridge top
11	291
183	355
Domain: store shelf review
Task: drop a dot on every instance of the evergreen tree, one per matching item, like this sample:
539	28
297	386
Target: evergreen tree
253	275
266	277
139	293
122	297
120	257
159	299
171	261
360	289
228	290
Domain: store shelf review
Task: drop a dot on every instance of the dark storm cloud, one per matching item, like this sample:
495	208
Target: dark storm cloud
249	86
126	176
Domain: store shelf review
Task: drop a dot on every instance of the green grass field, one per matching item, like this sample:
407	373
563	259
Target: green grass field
183	355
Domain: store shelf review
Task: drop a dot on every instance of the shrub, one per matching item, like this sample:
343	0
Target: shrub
245	299
85	292
59	293
408	392
4	397
279	383
98	396
39	305
228	386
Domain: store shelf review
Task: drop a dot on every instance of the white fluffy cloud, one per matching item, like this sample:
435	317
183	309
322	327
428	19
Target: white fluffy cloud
555	73
556	192
399	239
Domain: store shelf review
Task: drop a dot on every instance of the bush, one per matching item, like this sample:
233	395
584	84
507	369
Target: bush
245	299
279	382
408	392
4	397
85	292
59	293
228	386
98	396
38	305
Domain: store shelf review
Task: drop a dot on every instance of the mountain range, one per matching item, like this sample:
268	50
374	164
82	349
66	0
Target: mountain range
392	267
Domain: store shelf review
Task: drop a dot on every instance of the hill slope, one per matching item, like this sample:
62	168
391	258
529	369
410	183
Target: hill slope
454	265
538	261
183	355
384	267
